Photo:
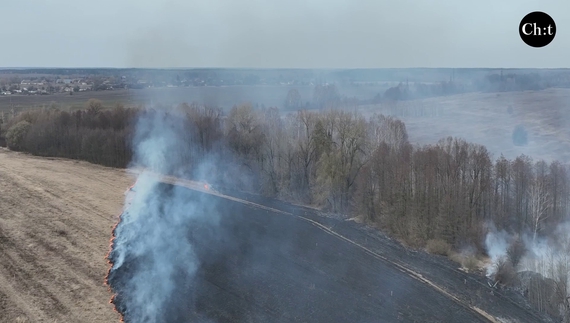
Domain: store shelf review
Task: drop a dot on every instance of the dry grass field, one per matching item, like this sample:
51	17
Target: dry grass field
55	223
484	118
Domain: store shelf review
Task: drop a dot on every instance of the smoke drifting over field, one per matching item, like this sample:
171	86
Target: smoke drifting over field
153	260
547	256
497	244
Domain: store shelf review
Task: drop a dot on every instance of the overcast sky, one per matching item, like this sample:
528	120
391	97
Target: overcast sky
277	33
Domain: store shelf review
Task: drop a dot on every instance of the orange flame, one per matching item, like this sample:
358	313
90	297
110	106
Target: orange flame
110	264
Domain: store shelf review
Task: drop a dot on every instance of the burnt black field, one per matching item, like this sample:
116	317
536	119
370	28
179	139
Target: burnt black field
256	265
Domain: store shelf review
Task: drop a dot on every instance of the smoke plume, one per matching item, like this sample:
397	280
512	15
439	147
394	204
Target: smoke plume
152	258
497	245
548	256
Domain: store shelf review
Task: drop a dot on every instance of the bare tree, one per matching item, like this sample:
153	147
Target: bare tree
539	202
94	106
324	95
387	129
243	129
306	146
293	100
522	175
339	168
502	191
207	124
273	151
561	279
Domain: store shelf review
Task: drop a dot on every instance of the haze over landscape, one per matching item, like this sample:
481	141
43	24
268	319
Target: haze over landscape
286	161
277	34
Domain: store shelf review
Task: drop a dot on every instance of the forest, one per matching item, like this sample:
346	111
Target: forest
339	161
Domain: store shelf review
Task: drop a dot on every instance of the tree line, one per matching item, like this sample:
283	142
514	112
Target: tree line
339	161
94	134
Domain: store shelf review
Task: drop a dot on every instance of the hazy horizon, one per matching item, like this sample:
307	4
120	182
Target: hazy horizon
316	34
4	68
275	68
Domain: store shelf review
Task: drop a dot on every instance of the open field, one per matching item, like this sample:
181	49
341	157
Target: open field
483	118
222	96
56	217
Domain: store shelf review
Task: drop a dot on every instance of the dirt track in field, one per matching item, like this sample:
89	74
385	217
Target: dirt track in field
55	222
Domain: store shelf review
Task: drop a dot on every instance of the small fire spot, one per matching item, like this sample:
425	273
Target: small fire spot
108	257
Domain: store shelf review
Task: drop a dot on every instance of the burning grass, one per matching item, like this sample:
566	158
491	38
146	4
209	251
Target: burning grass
110	263
109	257
151	260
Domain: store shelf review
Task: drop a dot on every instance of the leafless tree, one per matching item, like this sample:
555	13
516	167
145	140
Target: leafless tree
293	100
539	203
387	129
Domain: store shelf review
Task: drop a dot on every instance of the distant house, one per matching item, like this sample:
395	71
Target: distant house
28	82
64	81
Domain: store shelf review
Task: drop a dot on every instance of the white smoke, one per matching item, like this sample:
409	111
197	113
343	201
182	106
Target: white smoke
548	256
161	141
497	245
152	249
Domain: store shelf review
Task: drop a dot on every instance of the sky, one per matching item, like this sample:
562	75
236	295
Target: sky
277	33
